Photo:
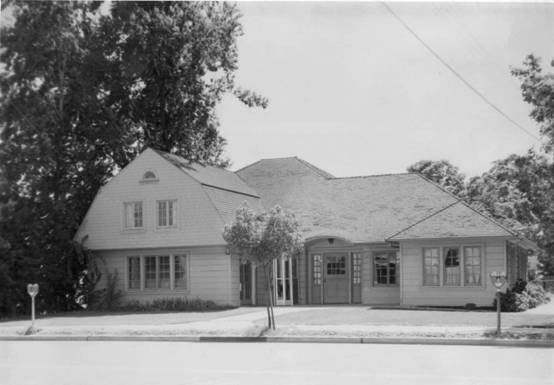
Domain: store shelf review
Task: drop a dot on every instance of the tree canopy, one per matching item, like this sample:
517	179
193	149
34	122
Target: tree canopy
441	172
262	237
84	89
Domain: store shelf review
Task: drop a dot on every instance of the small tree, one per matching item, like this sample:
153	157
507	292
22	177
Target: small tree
263	237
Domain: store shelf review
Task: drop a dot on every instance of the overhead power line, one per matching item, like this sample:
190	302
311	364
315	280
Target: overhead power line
463	80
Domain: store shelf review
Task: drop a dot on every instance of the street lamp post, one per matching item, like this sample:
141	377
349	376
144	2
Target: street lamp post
32	290
498	280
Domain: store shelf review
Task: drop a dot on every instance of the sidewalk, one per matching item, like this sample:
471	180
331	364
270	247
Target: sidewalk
316	324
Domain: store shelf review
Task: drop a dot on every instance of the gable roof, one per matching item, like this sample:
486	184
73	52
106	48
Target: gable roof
453	221
210	175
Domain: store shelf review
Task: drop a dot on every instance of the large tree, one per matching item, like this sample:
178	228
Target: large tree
537	89
84	88
443	173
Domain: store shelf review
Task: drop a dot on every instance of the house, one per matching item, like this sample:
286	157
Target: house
382	239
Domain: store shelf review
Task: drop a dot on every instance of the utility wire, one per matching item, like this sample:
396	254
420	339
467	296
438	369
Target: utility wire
468	84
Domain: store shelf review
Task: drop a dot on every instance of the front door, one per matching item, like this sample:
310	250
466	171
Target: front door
246	283
335	283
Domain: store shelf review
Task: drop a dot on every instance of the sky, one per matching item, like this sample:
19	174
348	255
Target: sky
353	92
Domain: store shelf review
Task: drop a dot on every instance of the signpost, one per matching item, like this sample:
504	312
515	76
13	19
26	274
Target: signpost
32	290
498	280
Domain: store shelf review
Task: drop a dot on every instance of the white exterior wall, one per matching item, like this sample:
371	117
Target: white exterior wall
414	293
198	223
375	294
210	275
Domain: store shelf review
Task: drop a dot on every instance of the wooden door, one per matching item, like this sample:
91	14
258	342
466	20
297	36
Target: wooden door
335	284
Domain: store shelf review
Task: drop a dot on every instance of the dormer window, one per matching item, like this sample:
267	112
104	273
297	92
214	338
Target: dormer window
149	176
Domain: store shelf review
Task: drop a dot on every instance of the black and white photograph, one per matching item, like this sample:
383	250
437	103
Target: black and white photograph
276	192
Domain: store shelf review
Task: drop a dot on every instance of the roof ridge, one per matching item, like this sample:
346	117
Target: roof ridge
374	175
318	170
423	219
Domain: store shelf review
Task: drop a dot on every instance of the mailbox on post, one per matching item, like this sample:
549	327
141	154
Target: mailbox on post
498	279
32	290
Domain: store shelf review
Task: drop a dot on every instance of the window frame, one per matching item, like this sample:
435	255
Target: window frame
174	213
125	215
439	257
390	255
462	256
461	260
172	287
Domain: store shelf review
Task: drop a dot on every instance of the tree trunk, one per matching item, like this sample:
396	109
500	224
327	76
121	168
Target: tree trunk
268	305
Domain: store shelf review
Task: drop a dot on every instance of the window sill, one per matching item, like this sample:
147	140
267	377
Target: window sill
134	230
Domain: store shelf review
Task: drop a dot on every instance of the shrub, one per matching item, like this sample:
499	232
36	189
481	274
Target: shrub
108	298
171	304
522	296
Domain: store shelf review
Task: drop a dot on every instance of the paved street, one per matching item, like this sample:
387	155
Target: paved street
83	363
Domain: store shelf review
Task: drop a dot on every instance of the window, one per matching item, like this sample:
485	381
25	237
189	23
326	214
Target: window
356	268
431	266
385	267
317	270
150	273
149	176
163	270
167	213
180	272
157	272
336	265
134	272
133	215
472	263
452	271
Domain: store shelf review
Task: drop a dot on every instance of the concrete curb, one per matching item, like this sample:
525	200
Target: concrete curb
333	340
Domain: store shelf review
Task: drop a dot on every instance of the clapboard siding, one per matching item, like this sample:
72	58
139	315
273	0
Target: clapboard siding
198	221
373	294
414	293
212	275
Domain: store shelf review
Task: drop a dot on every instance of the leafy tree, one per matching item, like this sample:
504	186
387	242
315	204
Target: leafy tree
262	238
519	192
82	91
537	89
443	173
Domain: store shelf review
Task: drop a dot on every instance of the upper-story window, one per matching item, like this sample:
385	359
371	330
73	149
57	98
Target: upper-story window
133	215
149	176
167	212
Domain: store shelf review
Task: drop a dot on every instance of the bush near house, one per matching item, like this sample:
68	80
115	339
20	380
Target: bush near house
522	296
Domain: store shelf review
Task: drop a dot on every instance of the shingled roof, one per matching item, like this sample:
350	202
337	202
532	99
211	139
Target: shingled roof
225	189
210	175
359	209
456	220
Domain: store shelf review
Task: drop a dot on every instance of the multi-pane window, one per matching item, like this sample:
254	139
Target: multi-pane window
472	263
133	215
431	266
336	265
461	266
163	272
452	270
317	270
356	268
157	272
134	272
180	271
166	213
150	272
385	269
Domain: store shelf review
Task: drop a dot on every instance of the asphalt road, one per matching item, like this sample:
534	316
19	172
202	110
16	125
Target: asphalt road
152	363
